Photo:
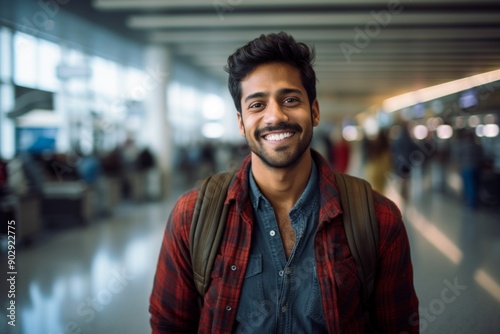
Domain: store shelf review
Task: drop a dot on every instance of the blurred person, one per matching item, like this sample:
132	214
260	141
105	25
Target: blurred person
89	169
402	146
145	160
492	192
378	161
207	160
3	175
184	165
496	155
341	151
91	172
271	275
469	154
128	154
33	169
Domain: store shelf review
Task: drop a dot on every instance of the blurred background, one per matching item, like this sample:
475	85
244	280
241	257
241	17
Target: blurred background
110	109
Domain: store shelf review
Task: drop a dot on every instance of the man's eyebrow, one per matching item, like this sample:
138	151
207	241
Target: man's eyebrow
256	95
285	91
282	91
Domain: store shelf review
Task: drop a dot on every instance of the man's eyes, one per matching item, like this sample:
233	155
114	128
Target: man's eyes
289	100
256	105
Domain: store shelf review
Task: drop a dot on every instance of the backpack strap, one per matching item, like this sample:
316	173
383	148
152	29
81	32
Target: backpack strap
361	228
210	215
207	227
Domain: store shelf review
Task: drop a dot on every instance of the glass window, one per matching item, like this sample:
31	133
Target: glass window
49	57
7	98
134	89
213	107
173	100
7	127
5	55
104	77
76	86
190	100
25	53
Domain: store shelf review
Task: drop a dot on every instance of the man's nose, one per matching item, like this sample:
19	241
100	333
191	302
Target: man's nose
275	113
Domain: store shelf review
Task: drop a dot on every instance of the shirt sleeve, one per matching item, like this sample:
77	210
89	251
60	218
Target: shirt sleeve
174	301
395	303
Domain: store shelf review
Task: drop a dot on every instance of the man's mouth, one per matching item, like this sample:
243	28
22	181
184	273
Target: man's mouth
278	136
278	132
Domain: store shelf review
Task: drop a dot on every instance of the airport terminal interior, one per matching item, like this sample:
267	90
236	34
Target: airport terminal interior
112	109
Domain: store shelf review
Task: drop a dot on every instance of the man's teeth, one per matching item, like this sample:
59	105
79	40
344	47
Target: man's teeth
280	136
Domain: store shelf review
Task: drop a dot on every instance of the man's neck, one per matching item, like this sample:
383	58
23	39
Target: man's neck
282	186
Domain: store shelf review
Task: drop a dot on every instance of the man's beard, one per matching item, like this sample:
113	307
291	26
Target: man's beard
283	156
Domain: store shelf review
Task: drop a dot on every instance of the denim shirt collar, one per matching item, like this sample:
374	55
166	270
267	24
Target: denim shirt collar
303	204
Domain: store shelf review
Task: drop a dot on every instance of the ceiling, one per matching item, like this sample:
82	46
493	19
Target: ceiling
366	51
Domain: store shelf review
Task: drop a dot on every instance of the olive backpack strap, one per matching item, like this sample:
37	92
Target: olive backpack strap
361	228
207	227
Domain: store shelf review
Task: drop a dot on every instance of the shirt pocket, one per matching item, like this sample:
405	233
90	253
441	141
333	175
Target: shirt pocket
252	292
348	288
314	307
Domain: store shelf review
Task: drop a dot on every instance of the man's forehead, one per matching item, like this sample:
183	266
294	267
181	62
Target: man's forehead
272	78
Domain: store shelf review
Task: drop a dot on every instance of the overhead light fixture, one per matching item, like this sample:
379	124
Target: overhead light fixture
203	4
319	35
434	92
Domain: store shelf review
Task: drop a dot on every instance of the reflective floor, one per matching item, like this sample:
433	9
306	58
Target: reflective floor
97	279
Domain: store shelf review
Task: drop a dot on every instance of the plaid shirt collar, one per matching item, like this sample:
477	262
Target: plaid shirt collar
330	200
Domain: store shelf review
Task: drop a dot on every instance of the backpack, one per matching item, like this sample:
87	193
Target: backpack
360	224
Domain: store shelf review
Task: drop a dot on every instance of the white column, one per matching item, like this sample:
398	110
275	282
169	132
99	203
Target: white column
156	133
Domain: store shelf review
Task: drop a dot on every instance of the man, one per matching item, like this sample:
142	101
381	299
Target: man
284	265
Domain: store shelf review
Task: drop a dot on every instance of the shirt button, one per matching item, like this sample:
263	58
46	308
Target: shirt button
284	309
228	308
233	267
288	270
281	272
272	233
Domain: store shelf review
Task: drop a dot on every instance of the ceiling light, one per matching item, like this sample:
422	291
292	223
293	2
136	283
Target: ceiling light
434	92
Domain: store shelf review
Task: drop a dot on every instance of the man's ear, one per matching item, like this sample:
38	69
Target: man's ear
315	113
241	126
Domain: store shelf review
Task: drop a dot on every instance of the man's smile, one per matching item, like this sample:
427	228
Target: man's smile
278	136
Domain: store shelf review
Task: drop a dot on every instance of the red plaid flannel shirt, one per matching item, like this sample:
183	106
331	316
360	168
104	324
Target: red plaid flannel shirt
175	303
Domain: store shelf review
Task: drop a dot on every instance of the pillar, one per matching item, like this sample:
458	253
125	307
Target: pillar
156	133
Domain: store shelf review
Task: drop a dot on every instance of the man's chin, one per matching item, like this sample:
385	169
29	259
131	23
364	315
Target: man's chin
282	149
280	158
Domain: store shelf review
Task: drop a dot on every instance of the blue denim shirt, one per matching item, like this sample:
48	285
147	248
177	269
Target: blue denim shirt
280	295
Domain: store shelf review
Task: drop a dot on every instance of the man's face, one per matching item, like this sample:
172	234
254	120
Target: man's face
276	117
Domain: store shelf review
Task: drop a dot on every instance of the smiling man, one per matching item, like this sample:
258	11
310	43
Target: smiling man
276	115
284	264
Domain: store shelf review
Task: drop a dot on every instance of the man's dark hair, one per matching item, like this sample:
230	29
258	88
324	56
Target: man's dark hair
271	48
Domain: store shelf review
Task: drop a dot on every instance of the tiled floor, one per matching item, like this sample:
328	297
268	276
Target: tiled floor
97	279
